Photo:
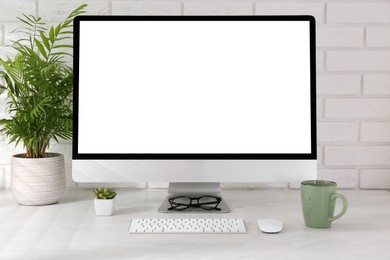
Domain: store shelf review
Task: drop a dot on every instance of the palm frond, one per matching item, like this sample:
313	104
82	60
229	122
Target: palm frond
39	85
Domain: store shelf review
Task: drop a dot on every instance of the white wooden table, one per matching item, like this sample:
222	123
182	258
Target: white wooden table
71	230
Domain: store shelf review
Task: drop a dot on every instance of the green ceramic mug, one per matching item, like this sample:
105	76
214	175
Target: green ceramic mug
318	203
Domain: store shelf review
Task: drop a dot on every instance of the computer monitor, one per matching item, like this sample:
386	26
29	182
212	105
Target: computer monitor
194	100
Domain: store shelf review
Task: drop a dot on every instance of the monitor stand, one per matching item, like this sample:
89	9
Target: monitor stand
194	189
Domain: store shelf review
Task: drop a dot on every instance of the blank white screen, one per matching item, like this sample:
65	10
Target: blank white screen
194	87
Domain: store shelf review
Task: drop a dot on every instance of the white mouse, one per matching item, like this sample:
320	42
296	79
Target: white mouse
269	225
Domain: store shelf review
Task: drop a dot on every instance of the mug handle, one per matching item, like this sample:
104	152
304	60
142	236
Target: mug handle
345	205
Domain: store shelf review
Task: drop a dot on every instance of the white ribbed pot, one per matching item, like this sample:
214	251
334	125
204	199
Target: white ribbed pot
38	181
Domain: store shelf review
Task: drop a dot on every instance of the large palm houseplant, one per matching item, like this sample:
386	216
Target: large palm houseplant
38	82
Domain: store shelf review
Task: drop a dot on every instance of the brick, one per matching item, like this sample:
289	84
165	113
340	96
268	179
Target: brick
358	13
378	36
375	132
320	155
358	60
337	132
357	156
10	9
149	8
315	9
357	108
59	10
375	179
345	178
338	84
320	109
320	61
339	37
376	84
218	8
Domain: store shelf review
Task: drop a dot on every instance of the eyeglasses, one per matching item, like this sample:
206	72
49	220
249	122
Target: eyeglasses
184	202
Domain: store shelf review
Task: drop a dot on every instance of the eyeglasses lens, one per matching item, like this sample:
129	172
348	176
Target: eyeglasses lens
180	203
208	202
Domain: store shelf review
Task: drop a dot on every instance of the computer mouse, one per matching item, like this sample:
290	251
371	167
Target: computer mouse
269	225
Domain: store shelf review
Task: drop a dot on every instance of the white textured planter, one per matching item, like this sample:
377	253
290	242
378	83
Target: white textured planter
38	181
104	207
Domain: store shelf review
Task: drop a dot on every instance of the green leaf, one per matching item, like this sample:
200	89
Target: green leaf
24	21
64	38
31	18
62	53
45	40
2	88
51	34
40	48
63	46
10	84
77	11
67	24
58	29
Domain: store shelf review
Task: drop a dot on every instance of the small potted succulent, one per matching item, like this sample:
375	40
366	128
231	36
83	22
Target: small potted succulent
104	201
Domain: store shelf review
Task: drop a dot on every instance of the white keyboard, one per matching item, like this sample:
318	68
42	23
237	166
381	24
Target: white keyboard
187	225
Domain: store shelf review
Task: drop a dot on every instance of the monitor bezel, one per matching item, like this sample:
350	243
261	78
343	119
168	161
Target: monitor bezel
195	156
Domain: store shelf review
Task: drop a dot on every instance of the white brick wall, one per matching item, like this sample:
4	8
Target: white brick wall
218	8
353	76
315	9
376	84
59	10
378	36
360	13
345	178
357	155
340	36
346	84
10	9
374	179
372	60
337	132
320	60
375	132
365	108
146	8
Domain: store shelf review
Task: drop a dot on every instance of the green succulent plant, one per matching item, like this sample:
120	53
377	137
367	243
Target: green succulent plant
104	193
39	83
